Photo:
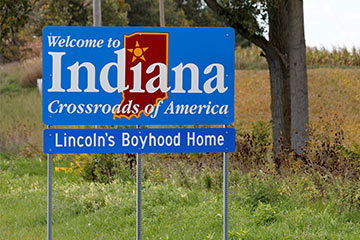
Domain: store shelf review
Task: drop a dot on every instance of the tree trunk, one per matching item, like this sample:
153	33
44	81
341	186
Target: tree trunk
279	77
288	76
286	55
280	137
298	77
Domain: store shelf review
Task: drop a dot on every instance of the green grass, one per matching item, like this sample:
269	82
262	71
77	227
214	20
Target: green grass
266	208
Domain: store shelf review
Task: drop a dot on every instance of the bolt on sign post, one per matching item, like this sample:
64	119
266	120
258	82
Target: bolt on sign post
138	76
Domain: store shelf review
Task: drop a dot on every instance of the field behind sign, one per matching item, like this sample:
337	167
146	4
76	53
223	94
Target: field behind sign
333	98
183	191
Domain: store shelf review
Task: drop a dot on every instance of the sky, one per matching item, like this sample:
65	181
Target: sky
332	23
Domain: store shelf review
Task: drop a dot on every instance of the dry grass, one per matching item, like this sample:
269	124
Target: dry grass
249	58
21	125
334	99
10	69
32	70
252	97
24	73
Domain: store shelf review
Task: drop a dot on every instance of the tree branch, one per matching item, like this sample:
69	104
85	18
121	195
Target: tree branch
258	40
213	5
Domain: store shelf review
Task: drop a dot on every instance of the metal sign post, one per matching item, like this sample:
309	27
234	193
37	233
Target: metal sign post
162	13
49	194
226	194
97	13
138	194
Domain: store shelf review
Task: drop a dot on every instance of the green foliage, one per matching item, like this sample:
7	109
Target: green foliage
198	15
88	210
348	195
104	168
114	12
8	84
72	13
353	152
238	235
207	180
13	16
146	13
261	191
143	13
265	214
66	13
245	14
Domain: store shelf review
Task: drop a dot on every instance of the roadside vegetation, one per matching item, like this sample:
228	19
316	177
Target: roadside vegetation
314	196
177	204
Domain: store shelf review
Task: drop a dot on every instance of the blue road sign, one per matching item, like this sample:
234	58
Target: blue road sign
138	76
132	140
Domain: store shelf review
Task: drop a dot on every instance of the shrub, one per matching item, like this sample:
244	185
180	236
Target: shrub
327	155
105	168
259	190
252	147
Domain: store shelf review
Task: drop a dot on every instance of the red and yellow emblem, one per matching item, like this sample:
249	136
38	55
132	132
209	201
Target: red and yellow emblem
143	50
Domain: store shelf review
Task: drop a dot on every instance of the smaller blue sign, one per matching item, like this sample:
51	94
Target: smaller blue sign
155	140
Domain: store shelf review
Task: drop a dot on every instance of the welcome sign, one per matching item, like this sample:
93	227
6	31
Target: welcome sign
138	75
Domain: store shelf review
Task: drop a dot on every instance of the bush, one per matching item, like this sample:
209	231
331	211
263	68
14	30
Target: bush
261	191
252	147
104	168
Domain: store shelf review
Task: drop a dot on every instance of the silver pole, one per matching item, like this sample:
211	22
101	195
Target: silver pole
226	194
97	19
49	194
162	13
138	194
97	13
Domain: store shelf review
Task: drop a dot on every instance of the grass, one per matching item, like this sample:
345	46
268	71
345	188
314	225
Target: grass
182	196
260	208
334	99
21	125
